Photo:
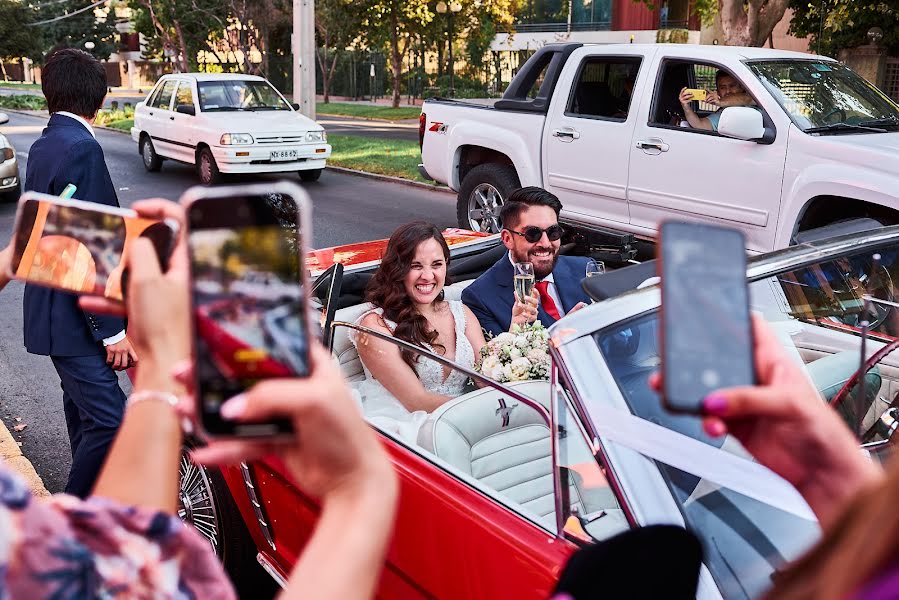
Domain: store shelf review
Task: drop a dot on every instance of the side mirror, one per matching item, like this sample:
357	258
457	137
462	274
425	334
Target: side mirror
4	118
742	123
295	106
186	109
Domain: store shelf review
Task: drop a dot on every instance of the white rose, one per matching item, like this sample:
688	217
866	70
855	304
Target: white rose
515	353
504	338
507	372
521	363
521	341
489	364
496	373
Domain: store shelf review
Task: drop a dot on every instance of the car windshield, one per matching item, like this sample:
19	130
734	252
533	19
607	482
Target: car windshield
816	309
227	95
824	96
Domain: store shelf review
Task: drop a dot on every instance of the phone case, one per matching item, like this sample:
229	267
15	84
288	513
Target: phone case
304	229
699	95
87	264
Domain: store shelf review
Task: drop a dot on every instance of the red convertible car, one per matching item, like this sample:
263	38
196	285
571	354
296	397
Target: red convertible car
505	481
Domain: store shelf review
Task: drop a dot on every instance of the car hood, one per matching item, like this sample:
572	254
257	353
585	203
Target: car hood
275	120
872	150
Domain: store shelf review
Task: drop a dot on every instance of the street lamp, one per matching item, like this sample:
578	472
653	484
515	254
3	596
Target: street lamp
450	10
90	45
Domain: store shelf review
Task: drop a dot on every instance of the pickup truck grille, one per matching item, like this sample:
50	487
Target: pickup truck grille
281	139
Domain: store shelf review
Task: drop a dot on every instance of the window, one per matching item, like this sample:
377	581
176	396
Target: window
185	95
676	75
230	94
164	98
604	88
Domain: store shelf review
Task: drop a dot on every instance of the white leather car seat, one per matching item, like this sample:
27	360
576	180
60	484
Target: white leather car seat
346	354
502	443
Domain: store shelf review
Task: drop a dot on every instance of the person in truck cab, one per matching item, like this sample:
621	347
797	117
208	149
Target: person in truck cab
531	233
730	92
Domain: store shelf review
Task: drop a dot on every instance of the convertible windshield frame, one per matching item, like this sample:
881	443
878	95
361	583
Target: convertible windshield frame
864	93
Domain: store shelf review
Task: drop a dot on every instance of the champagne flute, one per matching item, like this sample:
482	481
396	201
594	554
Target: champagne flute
595	267
524	279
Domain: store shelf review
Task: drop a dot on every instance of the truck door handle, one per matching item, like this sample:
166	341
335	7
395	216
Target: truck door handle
566	134
151	113
652	144
172	118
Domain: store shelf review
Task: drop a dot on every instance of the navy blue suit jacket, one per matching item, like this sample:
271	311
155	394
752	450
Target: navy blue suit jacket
491	296
66	153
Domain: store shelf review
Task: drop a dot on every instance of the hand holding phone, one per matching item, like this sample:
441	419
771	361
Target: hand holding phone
707	341
697	94
250	319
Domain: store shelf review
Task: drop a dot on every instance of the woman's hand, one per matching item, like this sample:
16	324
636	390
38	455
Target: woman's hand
332	450
786	426
525	312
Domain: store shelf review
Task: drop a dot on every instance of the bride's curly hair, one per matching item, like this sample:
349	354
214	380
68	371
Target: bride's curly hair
387	289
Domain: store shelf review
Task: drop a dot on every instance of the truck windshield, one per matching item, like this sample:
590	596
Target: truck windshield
228	95
826	97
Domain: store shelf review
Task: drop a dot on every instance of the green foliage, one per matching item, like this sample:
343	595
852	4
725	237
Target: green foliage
106	116
23	102
845	23
366	111
16	38
97	26
187	15
398	158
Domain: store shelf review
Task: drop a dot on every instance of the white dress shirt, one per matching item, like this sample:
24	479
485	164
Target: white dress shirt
120	335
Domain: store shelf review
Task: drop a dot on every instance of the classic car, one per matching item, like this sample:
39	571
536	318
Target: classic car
505	481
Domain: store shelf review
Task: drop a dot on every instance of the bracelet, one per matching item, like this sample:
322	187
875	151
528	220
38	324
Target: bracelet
151	395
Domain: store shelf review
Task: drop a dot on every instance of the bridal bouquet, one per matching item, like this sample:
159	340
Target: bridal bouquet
518	355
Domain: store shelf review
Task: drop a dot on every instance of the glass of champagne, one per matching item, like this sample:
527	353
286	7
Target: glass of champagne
595	267
524	279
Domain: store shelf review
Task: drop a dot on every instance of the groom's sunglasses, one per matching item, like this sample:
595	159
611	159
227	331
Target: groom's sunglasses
532	233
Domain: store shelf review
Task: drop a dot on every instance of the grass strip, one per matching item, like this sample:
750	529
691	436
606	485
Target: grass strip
18	85
23	102
368	111
398	158
123	124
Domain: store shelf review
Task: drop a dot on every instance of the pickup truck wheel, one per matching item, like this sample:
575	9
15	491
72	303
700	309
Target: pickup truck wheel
310	175
205	503
152	161
207	169
482	194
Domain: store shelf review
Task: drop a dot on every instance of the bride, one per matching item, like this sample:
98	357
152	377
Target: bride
401	388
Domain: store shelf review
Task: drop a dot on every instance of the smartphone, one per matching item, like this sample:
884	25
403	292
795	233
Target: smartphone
707	341
81	247
247	245
700	95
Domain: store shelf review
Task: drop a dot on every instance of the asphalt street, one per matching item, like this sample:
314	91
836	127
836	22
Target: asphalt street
346	209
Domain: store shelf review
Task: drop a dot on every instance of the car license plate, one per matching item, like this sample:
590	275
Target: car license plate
284	155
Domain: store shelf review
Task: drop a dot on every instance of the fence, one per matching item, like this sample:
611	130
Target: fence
891	78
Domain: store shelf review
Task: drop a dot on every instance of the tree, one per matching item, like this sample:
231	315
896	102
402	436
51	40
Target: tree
744	22
17	39
337	26
171	28
844	23
78	24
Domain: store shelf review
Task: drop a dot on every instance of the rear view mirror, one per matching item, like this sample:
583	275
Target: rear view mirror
742	123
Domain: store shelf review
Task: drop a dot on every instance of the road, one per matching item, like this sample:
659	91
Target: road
346	209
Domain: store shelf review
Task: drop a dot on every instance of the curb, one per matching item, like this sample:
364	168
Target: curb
389	178
13	458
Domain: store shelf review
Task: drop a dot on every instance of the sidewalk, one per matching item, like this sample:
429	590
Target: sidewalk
12	457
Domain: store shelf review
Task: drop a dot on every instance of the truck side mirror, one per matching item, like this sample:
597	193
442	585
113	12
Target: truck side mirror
4	118
742	123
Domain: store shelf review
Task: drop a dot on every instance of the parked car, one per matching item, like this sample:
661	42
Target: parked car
227	123
505	481
10	184
601	127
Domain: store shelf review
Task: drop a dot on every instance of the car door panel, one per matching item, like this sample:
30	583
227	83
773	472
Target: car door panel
158	122
182	126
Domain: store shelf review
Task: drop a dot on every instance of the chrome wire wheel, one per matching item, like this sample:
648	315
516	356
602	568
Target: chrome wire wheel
195	503
484	204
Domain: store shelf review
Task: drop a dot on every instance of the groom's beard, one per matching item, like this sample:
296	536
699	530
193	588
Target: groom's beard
542	265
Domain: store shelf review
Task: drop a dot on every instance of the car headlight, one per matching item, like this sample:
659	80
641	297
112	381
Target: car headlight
7	154
317	136
236	139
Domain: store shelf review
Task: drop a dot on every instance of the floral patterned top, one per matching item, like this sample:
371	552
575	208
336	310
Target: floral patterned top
62	547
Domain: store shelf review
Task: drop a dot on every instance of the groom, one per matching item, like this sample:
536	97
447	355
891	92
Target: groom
531	232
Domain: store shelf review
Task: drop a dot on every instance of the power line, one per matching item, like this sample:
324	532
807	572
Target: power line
67	15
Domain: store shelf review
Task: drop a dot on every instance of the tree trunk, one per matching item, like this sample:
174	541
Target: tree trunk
440	58
395	65
750	23
330	75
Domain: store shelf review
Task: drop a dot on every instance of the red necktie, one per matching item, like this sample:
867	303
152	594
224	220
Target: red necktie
546	301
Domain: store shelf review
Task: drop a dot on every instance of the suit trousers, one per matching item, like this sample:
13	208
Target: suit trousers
94	405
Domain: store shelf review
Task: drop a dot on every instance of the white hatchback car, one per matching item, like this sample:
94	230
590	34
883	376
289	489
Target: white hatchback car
227	123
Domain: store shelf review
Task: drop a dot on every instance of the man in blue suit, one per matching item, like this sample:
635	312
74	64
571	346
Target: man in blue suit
86	349
531	232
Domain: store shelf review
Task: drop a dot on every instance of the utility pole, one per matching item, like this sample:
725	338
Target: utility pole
304	56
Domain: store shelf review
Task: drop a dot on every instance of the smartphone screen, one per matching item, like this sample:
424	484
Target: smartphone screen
81	247
706	329
249	301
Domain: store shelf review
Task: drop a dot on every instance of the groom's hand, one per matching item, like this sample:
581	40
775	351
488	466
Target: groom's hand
577	307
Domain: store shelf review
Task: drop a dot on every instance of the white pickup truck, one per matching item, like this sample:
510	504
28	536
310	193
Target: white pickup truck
602	128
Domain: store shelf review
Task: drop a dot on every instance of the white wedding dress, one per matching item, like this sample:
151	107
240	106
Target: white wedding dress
383	410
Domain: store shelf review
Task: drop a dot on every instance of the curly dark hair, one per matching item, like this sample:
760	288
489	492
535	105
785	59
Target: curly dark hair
387	291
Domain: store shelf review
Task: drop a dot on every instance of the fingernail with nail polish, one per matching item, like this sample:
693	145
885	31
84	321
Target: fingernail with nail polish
234	408
714	405
715	428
